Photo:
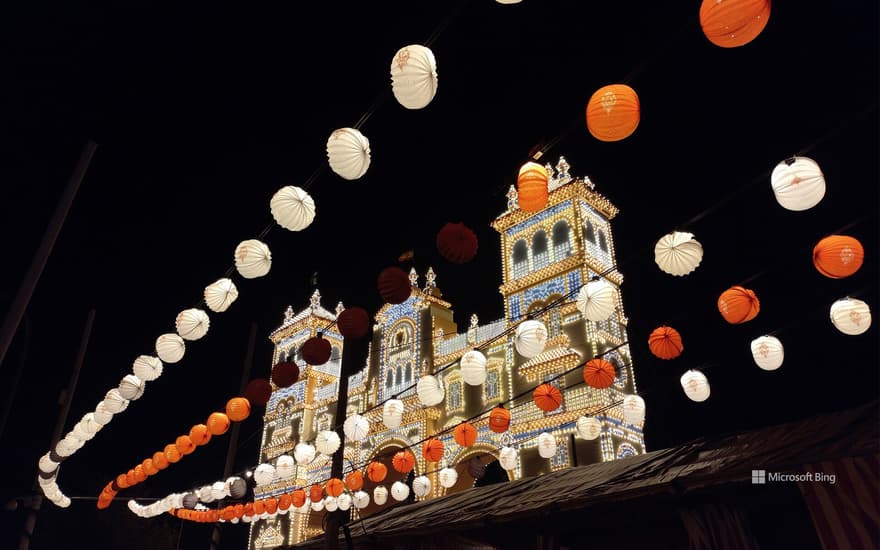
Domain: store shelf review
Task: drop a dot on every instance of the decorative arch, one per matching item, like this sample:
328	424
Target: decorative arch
540	250
626	449
589	231
561	239
519	259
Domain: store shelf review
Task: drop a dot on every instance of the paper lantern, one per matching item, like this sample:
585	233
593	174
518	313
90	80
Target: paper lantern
292	208
172	453
613	112
531	338
851	316
356	427
192	323
148	368
284	467
316	350
465	434
220	294
46	464
190	500
200	435
185	445
218	490
838	256
380	495
394	285
298	498
531	187
546	445
334	487
258	391
588	427
285	373
217	423
473	367
331	504
733	23
327	442
344	501
399	491
348	152
131	387
238	409
447	477
236	487
316	493
353	322
633	409
738	305
114	402
429	391
695	385
599	373
303	453
421	486
457	243
170	348
597	300
102	415
354	481
499	419
508	458
414	76
264	474
665	343
253	259
678	253
768	352
360	500
160	461
376	471
285	500
798	183
547	397
392	413
403	461
205	494
432	449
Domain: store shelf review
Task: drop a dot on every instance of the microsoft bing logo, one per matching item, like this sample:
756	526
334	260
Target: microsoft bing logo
759	477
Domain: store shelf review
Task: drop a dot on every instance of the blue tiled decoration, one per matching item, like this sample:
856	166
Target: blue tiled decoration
539	217
297	391
574	282
540	292
515	305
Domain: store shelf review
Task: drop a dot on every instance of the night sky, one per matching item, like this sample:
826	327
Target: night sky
202	112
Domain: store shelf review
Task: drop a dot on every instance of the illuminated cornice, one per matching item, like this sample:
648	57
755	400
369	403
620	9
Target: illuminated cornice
575	188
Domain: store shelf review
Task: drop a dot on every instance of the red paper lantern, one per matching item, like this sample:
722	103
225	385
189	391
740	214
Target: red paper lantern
403	461
353	322
465	434
432	450
394	285
316	350
285	374
599	373
732	23
531	187
457	243
258	391
547	397
665	343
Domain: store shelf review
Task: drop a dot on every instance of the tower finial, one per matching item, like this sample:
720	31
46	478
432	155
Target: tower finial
339	308
288	314
430	278
315	300
563	167
512	196
413	277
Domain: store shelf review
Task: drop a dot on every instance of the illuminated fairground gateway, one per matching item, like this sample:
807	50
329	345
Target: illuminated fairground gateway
545	256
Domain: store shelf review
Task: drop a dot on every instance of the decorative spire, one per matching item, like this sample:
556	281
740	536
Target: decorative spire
315	300
562	166
550	172
413	277
430	278
288	314
512	197
474	320
339	308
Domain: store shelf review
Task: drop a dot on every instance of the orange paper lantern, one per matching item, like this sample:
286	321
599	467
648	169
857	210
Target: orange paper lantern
316	492
334	487
298	498
376	471
403	461
271	505
613	112
284	501
547	397
599	373
139	474
665	343
160	460
185	445
499	419
838	256
465	434
238	408
217	423
149	467
354	481
199	434
238	510
259	507
122	481
432	450
249	509
531	187
733	23
738	305
172	453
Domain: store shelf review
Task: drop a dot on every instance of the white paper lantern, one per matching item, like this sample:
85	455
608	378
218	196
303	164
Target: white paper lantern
284	467
508	458
102	415
304	508
264	474
414	76
360	500
131	387
399	490
633	409
220	294
327	442
597	300
768	352
79	431
147	367
114	402
348	152
170	347
292	208
356	427
253	259
304	453
218	490
430	391
380	495
546	445
851	316
589	427
531	338
206	494
695	385
192	323
63	502
473	367
46	464
448	477
331	504
344	501
421	486
392	413
678	253
90	424
234	520
798	183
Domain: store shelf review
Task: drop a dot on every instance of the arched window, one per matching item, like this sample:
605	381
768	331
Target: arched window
561	244
540	256
409	373
520	259
555	324
389	378
398	379
603	244
589	232
335	354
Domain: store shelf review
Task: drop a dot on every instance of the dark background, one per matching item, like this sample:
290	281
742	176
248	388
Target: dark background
201	112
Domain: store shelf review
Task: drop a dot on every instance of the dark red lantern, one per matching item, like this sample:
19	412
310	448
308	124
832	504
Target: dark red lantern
316	350
258	391
457	243
285	374
394	285
353	322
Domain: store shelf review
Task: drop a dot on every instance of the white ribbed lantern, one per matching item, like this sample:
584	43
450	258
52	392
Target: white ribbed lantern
90	425
63	502
429	390
348	152
798	183
633	409
206	494
103	415
589	427
330	503
284	467
421	486
414	76
114	402
851	316
678	253
304	508
218	490
473	367
170	347
220	294
448	477
360	500
264	474
392	413
252	259
546	445
46	464
531	338
344	501
597	300
380	495
317	506
768	352
356	427
147	367
131	387
399	491
192	323
508	458
304	453
327	442
292	208
695	385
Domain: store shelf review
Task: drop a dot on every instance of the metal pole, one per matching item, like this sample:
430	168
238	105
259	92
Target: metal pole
26	290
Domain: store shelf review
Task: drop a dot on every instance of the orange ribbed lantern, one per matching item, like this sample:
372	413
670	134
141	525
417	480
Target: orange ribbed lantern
432	450
284	501
172	453
334	487
259	507
733	23
238	510
403	461
238	408
738	305
613	112
130	478
139	474
838	256
665	343
271	505
249	509
149	467
122	481
298	498
217	423
354	481
185	445
547	397
316	492
160	460
199	434
599	373
376	471
531	187
465	434
499	419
